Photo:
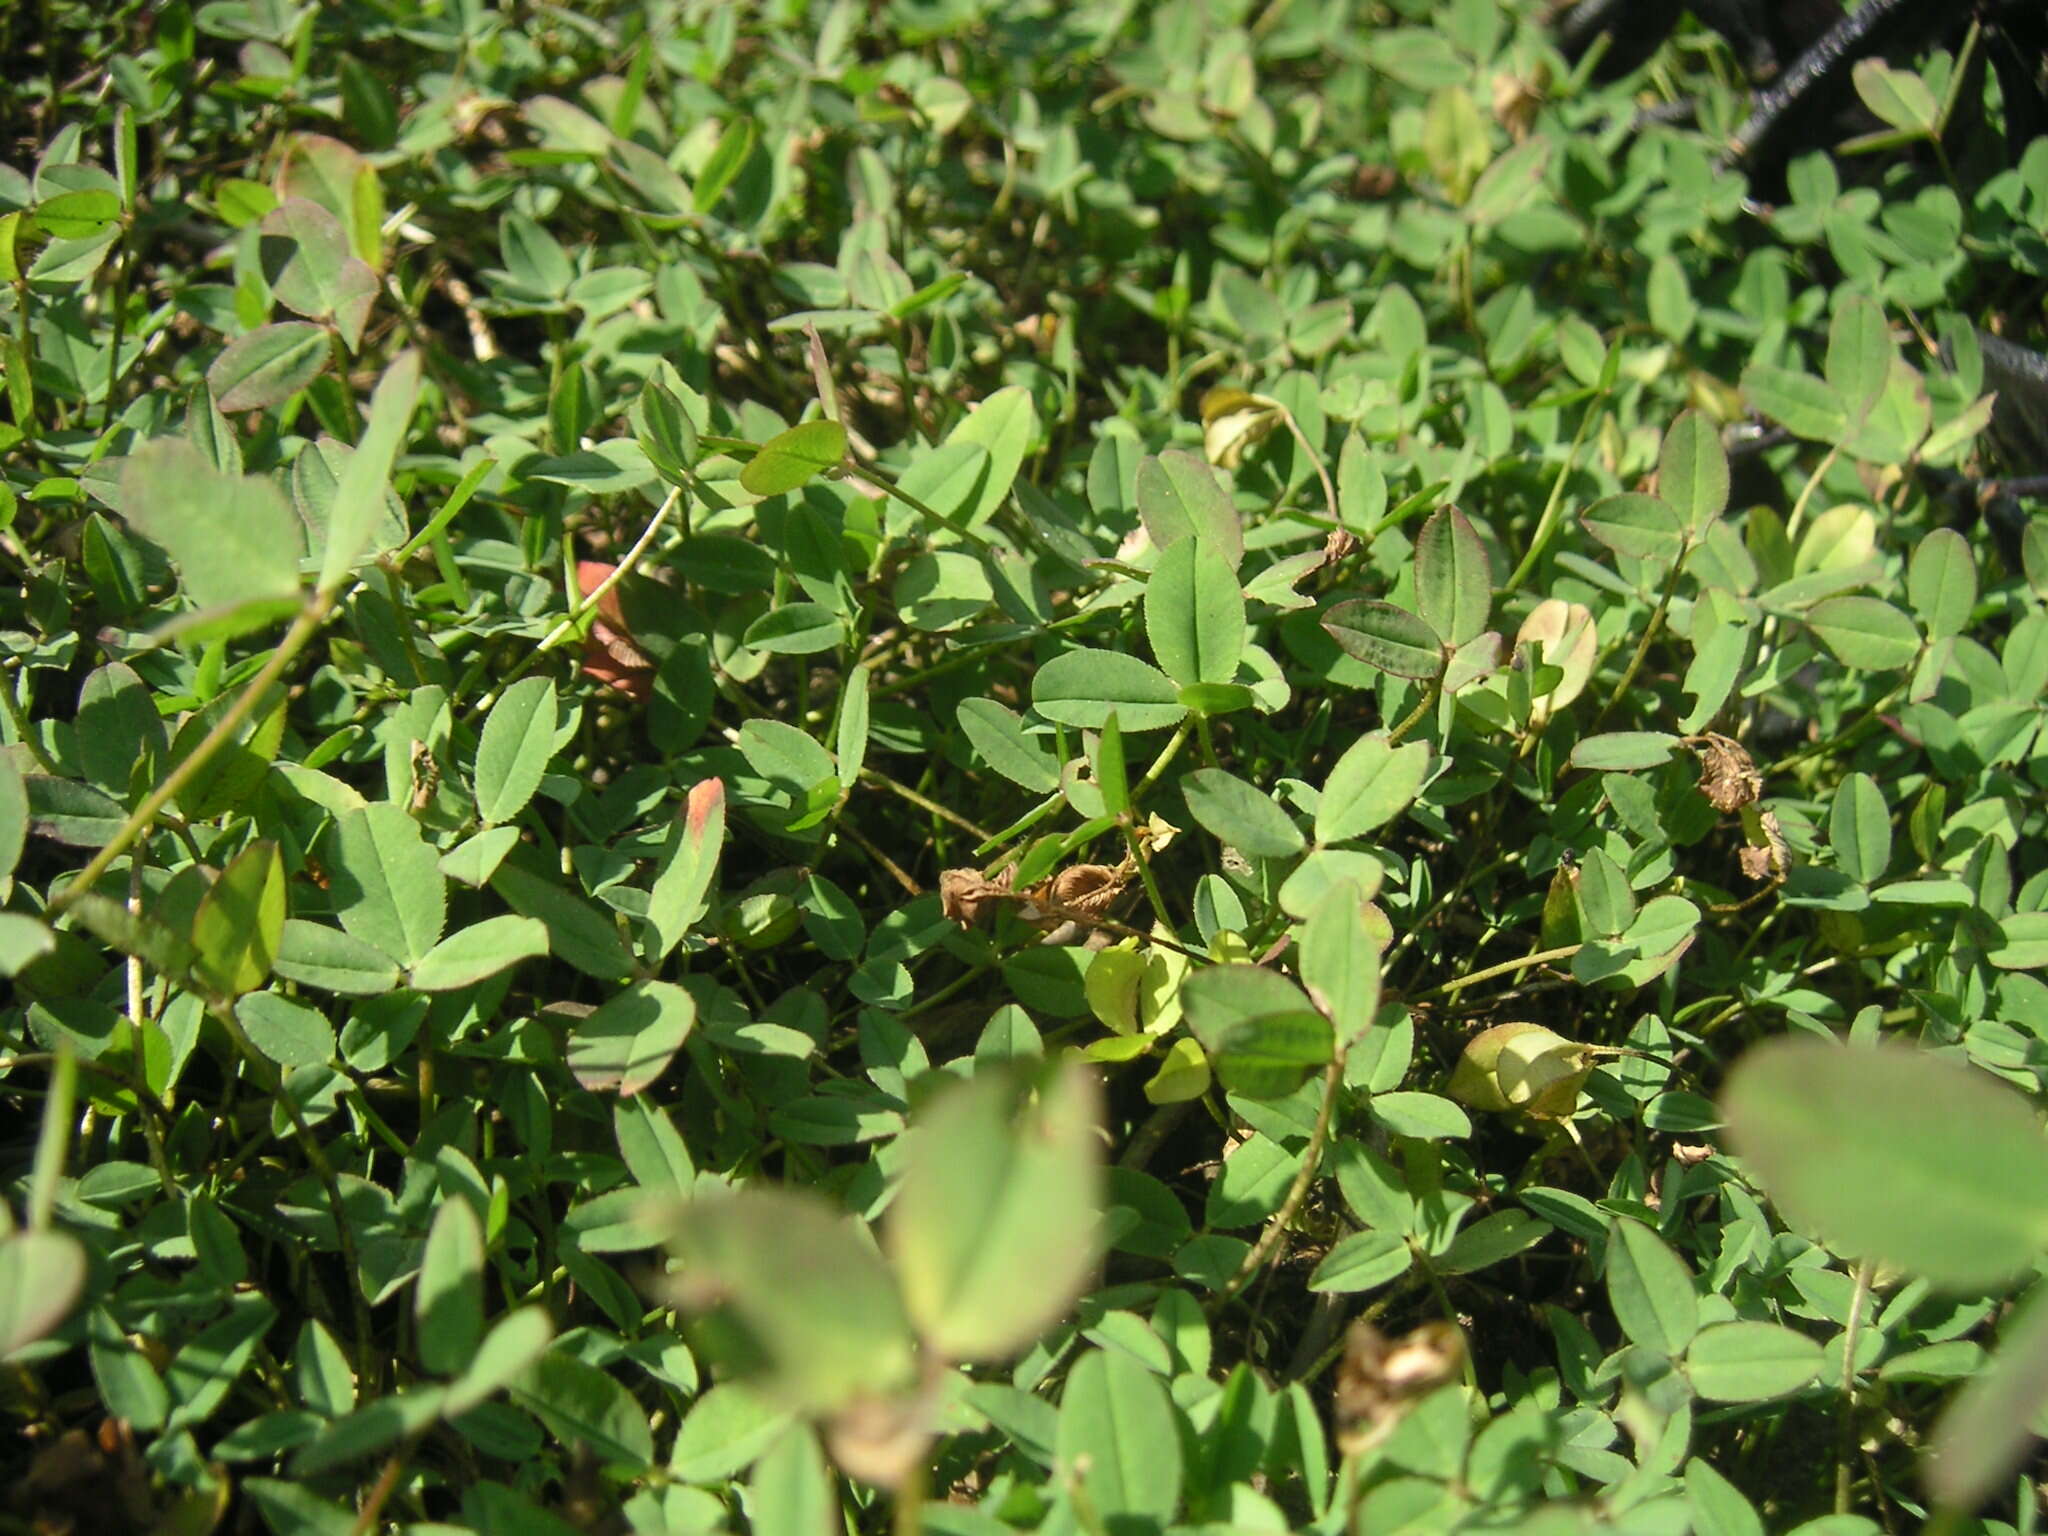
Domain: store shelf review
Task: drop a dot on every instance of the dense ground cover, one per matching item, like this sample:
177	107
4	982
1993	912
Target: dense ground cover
1011	766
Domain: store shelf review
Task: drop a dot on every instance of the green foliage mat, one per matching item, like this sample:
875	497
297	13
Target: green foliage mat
980	767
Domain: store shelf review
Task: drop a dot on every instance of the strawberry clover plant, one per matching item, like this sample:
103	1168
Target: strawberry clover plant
1043	767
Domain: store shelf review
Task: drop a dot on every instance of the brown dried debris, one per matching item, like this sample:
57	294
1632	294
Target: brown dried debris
1728	775
1337	544
1081	893
1766	855
966	896
1380	1379
1084	890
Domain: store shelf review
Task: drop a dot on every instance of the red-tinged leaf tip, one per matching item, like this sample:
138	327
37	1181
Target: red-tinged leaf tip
706	797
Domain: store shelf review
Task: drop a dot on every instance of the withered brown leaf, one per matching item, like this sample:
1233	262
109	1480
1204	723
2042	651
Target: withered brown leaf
1767	856
881	1439
1728	776
1338	543
1085	890
1380	1379
967	895
1082	893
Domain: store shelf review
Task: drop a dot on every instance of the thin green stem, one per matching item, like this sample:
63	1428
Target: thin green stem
303	627
1466	307
138	1024
457	499
394	591
53	1141
1845	735
925	803
1415	716
1145	877
1546	525
360	1103
1506	967
1166	755
572	621
950	990
965	656
931	514
23	733
1793	518
1316	461
1845	1440
123	269
1650	633
907	1502
1297	1192
1018	828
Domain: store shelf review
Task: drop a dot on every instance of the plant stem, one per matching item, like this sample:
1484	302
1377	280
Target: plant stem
1845	735
380	1495
23	732
1546	525
1650	632
1297	1192
1149	1136
138	1023
271	1081
895	870
1415	716
1316	461
876	776
1542	957
124	265
883	483
1152	893
1166	755
950	990
53	1141
907	1502
572	620
1845	1443
1018	828
456	500
1798	511
303	627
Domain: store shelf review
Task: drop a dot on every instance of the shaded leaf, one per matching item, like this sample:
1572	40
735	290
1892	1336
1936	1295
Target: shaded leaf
628	1042
269	365
993	1228
1896	1155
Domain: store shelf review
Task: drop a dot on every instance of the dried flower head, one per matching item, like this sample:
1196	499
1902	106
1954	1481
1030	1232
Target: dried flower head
1728	776
1380	1379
